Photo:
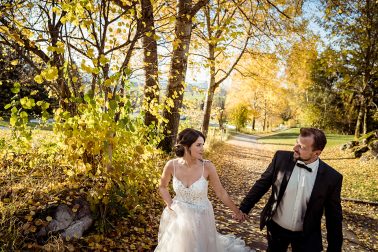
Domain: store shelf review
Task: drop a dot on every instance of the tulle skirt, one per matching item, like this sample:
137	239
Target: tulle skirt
191	228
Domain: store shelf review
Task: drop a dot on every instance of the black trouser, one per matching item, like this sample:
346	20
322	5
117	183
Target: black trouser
279	239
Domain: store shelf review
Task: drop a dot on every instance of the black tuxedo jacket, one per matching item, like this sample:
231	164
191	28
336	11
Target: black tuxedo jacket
325	197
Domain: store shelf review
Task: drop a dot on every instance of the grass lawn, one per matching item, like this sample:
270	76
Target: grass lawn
288	137
4	123
31	124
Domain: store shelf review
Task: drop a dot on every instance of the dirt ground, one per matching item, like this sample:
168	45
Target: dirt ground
240	164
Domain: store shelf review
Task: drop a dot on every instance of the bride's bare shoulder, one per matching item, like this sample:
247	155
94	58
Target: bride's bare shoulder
170	164
209	166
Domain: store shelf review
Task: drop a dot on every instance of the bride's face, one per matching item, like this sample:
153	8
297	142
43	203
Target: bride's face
196	149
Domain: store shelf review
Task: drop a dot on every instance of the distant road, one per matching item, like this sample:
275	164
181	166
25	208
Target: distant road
244	137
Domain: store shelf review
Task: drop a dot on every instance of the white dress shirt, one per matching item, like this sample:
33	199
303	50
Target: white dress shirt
292	209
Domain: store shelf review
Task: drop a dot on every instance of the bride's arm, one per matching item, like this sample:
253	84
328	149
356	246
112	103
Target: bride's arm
164	182
220	191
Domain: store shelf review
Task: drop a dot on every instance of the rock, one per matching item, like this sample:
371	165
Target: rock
63	218
349	145
70	221
83	210
373	147
358	152
371	136
42	232
343	147
77	228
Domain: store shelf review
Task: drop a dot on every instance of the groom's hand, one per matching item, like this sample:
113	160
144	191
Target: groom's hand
239	216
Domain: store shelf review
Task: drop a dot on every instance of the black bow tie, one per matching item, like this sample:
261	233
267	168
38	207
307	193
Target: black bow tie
304	167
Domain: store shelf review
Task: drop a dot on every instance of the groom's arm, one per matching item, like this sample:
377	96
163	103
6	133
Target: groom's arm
260	187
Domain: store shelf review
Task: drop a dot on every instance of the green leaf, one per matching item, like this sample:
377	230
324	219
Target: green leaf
23	115
27	103
34	92
45	115
87	98
13	121
113	104
16	88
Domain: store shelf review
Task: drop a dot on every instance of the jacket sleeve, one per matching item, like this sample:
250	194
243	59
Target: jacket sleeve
260	187
334	217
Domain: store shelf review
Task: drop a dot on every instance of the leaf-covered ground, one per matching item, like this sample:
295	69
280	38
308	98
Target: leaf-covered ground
240	163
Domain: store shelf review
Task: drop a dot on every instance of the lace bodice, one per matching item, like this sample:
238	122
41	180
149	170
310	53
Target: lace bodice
195	194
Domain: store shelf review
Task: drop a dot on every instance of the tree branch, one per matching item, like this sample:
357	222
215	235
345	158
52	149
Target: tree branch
275	7
235	63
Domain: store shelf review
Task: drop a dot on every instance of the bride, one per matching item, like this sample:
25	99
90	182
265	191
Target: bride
187	223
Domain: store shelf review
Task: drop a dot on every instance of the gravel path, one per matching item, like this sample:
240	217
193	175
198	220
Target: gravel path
240	162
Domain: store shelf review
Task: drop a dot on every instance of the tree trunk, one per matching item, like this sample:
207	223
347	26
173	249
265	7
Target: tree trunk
210	91
220	121
175	91
364	129
206	117
265	116
360	116
151	87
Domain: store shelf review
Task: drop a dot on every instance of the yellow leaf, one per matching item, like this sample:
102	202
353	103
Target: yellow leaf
14	62
103	60
50	73
90	53
38	222
38	78
50	48
49	218
33	229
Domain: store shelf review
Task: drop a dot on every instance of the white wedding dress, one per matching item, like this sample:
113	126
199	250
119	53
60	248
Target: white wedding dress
190	227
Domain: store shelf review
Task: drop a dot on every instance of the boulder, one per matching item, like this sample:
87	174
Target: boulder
77	228
63	218
373	147
359	151
349	145
69	221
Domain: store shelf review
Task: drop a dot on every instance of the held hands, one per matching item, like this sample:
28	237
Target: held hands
239	216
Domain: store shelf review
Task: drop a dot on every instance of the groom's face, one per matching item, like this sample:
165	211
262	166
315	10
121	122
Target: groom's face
303	149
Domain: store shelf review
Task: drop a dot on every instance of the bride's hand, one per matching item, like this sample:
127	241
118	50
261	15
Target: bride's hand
239	216
170	207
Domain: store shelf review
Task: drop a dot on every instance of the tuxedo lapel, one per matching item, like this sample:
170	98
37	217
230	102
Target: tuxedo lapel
317	189
288	170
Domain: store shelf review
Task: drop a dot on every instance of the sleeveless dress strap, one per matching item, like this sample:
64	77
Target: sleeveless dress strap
203	167
174	168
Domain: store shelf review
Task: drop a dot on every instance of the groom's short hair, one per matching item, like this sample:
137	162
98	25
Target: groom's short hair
320	139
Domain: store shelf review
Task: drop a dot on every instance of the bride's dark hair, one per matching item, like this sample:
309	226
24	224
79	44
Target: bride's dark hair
185	139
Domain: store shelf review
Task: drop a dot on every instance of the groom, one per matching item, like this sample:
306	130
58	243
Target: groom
303	187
